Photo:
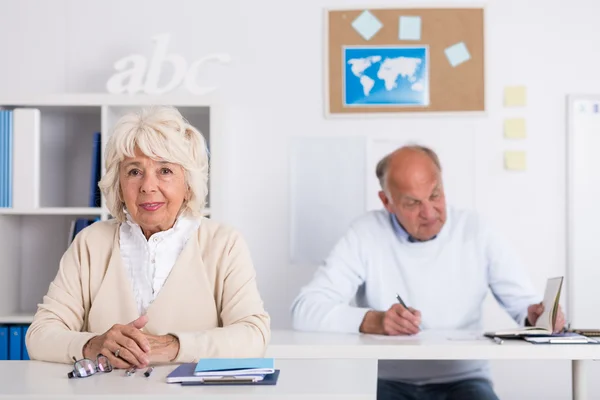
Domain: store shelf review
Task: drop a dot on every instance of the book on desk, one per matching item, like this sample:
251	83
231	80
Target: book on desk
226	371
544	325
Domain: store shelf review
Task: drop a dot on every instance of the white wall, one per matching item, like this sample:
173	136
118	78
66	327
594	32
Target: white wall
274	91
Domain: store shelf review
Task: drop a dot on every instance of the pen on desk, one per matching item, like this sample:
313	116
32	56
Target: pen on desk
130	371
498	340
148	371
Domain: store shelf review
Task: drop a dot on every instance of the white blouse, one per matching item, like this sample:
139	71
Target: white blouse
148	263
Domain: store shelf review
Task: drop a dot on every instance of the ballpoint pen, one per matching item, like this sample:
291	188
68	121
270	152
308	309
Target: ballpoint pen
148	371
400	300
404	305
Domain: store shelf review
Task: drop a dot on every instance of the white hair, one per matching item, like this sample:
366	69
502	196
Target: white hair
160	133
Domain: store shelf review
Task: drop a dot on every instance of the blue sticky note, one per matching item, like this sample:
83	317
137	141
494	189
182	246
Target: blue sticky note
457	54
367	25
409	28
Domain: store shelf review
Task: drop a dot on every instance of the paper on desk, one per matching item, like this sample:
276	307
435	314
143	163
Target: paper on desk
434	335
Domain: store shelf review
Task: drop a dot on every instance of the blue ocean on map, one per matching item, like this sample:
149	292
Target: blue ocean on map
389	76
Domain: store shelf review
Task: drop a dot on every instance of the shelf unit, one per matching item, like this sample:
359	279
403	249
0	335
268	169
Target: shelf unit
32	241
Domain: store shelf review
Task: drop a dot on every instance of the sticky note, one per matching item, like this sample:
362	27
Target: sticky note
457	54
367	25
515	160
515	96
409	28
515	128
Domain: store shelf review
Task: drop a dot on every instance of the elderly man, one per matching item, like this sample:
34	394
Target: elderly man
440	260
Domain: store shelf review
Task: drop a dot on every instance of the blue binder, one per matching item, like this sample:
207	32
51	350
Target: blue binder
14	343
3	158
95	199
3	342
24	353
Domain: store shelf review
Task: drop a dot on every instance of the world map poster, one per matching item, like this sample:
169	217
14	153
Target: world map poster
386	76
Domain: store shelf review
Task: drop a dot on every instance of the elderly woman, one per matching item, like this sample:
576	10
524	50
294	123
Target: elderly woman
159	282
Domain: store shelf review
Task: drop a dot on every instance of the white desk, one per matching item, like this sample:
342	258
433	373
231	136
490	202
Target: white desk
429	346
299	379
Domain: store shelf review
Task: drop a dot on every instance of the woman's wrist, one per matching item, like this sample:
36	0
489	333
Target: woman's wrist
164	348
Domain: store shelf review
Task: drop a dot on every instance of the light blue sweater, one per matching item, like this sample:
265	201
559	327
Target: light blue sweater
446	278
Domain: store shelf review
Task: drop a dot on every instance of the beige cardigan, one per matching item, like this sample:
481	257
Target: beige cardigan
210	300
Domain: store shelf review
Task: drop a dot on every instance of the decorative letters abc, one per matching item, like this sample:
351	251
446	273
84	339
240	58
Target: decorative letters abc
136	75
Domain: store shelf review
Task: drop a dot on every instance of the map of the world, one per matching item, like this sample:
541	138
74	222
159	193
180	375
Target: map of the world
386	76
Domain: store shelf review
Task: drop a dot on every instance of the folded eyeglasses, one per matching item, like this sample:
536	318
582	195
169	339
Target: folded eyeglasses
86	367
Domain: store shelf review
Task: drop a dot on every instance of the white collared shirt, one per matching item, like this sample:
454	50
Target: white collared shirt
148	263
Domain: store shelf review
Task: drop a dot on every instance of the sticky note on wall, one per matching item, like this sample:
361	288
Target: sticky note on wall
515	160
515	128
367	25
409	28
457	54
515	96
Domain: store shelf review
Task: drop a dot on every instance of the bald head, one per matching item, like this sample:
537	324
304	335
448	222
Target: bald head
411	182
407	160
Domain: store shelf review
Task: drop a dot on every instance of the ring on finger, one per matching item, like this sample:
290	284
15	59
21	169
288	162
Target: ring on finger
117	351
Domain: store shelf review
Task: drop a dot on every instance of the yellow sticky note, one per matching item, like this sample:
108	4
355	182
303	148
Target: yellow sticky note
515	96
515	160
515	128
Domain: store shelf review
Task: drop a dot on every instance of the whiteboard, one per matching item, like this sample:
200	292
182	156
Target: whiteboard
333	182
326	193
583	211
457	158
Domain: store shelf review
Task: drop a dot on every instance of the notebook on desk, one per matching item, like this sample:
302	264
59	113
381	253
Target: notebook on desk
562	338
270	379
545	323
225	371
234	366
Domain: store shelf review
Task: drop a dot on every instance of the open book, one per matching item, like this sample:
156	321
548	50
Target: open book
545	323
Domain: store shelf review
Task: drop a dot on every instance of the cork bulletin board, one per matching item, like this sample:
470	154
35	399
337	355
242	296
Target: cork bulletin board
405	60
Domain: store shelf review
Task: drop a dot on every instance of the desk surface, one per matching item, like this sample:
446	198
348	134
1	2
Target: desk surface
299	379
425	346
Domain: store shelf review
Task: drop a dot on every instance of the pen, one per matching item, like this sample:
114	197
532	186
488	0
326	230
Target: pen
498	340
130	371
148	371
404	305
400	300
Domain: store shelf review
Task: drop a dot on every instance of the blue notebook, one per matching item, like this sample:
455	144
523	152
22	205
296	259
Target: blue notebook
234	366
268	380
185	375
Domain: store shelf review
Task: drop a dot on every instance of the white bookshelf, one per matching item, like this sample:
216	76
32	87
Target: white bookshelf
32	240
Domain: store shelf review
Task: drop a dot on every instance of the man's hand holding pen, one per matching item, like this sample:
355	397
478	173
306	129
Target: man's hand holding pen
397	320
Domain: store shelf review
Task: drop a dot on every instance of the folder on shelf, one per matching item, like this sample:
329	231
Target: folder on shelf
6	144
95	199
3	157
3	342
14	343
9	169
24	352
26	158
